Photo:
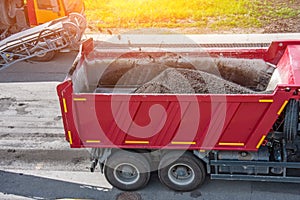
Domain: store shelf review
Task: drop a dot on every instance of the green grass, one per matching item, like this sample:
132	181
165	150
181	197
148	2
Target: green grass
214	14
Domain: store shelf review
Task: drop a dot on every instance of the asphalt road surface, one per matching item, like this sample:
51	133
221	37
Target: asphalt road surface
37	163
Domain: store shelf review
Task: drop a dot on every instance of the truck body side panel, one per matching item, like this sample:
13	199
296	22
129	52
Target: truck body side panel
182	121
289	65
217	122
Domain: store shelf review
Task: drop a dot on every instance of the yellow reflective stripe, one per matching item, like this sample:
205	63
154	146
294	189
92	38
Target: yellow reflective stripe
136	142
79	99
174	142
92	141
260	141
70	137
282	107
266	100
231	144
65	105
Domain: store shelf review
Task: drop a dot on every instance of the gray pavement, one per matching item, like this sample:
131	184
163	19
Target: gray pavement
40	184
31	71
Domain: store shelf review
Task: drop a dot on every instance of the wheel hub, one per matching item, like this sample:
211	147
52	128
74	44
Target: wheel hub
126	173
181	174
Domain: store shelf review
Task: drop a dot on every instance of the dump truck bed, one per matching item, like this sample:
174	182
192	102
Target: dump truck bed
101	109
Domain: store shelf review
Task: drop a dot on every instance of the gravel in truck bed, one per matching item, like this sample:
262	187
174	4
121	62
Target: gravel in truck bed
186	81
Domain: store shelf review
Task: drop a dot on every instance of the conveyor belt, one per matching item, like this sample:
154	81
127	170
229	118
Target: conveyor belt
42	39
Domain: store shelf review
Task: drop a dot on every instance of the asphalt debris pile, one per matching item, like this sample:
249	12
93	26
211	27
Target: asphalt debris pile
172	73
186	81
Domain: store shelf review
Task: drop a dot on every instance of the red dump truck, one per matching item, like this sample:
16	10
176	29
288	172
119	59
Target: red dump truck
185	136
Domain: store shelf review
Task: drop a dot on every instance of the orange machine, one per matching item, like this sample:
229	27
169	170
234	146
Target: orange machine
15	15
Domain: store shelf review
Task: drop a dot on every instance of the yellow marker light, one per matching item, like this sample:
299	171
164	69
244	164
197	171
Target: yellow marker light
266	100
282	107
260	141
65	105
93	141
79	99
70	137
136	142
231	144
174	142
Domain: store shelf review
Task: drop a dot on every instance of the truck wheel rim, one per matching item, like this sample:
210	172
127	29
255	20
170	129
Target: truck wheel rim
181	174
126	173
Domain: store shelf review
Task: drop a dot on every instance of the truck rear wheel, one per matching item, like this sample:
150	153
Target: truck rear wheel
290	127
44	57
127	170
181	172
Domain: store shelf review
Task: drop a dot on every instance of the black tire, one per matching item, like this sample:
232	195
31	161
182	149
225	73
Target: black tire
136	167
192	171
290	127
45	57
79	20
